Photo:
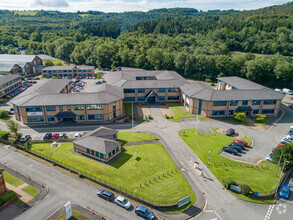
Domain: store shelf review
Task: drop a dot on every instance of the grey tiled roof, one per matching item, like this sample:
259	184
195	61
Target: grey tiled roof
8	61
7	78
69	67
96	140
199	90
240	83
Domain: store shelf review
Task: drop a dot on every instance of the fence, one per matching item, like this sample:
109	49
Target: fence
87	175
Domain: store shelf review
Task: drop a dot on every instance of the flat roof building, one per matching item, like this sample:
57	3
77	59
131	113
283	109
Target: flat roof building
9	83
69	71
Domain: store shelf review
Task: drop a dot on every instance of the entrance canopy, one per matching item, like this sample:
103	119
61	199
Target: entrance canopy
66	114
243	109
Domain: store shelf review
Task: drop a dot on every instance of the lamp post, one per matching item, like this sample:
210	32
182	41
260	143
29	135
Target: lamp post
132	120
285	161
210	155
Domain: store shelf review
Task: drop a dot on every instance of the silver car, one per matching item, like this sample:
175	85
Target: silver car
121	201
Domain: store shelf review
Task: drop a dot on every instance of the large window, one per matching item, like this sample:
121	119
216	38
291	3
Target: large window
51	108
187	105
162	98
173	97
161	90
256	102
173	90
245	102
60	108
231	112
187	97
95	107
220	103
51	118
270	102
129	99
34	109
79	107
233	103
140	98
141	90
96	117
255	111
35	119
268	111
68	107
221	112
129	90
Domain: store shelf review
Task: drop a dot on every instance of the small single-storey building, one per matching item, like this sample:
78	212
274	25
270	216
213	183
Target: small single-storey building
100	144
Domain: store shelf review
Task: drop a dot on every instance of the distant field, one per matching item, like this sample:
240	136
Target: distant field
84	15
31	13
238	53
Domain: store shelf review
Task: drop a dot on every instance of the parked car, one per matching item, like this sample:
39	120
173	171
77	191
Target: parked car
25	138
121	201
284	191
235	147
280	145
144	212
77	135
11	111
290	106
230	150
239	145
230	132
105	194
55	136
62	136
269	157
47	136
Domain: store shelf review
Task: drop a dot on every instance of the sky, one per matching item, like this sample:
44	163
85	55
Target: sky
134	5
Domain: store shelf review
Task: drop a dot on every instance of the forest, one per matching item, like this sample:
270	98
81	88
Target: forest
254	44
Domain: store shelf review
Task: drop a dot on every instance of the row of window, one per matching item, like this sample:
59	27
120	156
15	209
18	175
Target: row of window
161	90
255	111
69	75
245	102
10	82
12	87
141	98
100	155
65	71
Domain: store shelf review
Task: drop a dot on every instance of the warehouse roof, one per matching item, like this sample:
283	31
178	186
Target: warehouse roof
7	78
8	61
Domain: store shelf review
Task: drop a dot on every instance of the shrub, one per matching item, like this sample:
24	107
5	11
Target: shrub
141	103
245	189
4	135
3	113
79	175
240	116
2	101
162	103
6	197
166	116
227	182
260	117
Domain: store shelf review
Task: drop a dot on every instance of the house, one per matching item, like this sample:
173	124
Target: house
20	64
2	183
100	144
8	83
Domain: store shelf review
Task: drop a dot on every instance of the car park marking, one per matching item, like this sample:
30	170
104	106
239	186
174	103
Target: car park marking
269	213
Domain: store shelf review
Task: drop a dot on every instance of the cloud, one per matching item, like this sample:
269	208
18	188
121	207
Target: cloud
50	3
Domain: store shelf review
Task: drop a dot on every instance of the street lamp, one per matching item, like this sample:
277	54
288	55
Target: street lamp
210	155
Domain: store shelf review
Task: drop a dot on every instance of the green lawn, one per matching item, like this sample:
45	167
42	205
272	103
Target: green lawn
262	123
233	120
75	216
12	180
19	202
31	13
127	172
259	179
180	112
31	190
134	136
5	119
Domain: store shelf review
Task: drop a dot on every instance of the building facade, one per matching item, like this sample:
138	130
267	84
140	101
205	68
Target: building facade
2	183
8	83
70	71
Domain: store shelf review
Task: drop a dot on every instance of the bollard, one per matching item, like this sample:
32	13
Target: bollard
29	177
92	212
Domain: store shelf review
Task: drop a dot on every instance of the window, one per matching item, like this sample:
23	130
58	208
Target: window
96	117
245	102
173	97
68	107
268	111
270	102
101	155
187	97
162	90
129	99
51	118
221	112
109	154
173	90
94	107
233	103
161	98
97	154
187	105
34	109
114	136
117	149
61	108
51	108
92	152
220	103
141	90
140	98
79	107
255	111
256	102
35	119
80	117
183	93
88	150
231	112
129	90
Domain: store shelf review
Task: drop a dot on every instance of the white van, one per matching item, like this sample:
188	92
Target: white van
287	91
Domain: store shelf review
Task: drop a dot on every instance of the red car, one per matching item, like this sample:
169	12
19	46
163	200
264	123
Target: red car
280	145
241	142
291	97
55	136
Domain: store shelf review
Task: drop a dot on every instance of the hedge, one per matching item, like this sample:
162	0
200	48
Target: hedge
6	197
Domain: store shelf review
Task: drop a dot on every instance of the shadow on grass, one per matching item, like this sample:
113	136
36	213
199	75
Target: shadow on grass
121	160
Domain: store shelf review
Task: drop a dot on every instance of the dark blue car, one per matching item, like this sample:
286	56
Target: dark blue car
144	212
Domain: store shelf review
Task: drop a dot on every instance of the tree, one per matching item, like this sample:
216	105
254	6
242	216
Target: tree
13	127
240	116
287	155
49	63
3	113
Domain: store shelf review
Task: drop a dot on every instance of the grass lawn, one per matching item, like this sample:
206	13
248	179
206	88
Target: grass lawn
259	179
5	119
19	202
180	112
127	172
31	190
12	180
233	120
134	136
262	123
75	215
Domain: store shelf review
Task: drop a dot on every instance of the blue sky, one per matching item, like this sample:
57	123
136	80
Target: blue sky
134	5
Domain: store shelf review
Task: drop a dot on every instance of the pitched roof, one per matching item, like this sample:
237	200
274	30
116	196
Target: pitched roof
7	78
69	67
8	61
96	140
240	83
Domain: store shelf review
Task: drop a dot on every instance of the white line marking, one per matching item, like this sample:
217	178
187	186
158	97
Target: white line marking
217	215
208	210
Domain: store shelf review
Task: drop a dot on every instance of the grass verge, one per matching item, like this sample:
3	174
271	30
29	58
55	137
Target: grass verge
180	112
75	216
5	119
261	178
263	122
31	190
134	136
6	197
232	120
19	202
12	180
